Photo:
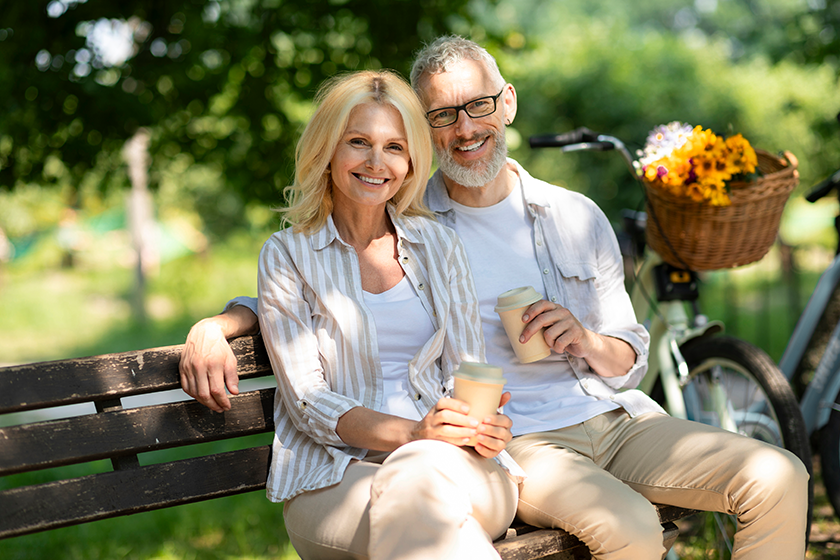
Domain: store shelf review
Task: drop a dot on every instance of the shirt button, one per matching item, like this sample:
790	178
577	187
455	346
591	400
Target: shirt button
416	396
405	260
612	397
421	287
554	299
545	271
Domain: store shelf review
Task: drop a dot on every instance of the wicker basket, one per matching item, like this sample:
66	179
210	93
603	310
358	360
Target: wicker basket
698	236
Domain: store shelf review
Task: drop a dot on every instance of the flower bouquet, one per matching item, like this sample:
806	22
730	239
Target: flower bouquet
712	202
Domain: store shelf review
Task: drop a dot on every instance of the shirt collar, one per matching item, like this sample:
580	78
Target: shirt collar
406	230
530	192
437	197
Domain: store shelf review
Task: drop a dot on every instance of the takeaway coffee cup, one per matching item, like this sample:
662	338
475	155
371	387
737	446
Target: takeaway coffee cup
480	386
511	306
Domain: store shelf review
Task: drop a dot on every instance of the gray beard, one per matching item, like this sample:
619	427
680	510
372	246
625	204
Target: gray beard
479	173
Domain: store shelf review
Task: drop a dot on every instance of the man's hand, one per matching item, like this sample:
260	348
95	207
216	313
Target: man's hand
208	366
207	363
564	333
606	355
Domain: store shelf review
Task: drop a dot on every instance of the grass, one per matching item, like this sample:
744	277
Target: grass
825	524
243	527
50	312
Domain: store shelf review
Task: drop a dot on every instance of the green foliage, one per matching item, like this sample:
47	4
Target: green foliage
224	85
621	68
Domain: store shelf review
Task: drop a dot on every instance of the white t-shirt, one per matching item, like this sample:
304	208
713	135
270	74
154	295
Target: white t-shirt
402	327
499	240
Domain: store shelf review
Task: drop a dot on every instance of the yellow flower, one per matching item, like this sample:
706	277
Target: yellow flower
695	162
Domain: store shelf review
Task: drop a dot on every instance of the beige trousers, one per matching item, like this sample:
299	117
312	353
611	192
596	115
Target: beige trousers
597	480
428	499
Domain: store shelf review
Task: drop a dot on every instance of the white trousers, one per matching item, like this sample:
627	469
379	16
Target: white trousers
428	499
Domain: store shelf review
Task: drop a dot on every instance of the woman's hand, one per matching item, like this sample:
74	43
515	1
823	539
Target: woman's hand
494	432
207	364
449	421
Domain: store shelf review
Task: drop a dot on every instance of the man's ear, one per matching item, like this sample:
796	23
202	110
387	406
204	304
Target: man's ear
509	99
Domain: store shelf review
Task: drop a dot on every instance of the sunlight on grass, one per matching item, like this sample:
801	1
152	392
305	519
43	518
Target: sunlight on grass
244	527
48	312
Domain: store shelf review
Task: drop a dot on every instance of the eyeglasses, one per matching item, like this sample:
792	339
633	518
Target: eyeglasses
476	108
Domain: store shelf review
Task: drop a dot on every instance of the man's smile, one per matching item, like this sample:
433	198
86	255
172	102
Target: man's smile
472	147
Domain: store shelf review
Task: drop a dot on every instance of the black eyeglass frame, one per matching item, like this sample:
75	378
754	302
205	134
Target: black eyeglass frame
463	107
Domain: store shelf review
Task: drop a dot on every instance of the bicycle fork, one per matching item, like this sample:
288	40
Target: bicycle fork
667	362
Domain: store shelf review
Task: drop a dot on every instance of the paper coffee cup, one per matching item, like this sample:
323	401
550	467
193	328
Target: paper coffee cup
510	306
480	386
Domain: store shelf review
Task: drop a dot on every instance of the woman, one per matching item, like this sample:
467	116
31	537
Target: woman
366	307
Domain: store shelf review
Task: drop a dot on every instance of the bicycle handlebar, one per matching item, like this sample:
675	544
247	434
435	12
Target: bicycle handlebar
824	188
583	139
582	135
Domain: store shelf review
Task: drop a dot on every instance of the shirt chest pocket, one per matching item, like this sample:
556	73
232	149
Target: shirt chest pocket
580	292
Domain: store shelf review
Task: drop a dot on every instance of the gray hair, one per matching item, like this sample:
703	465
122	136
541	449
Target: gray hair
446	51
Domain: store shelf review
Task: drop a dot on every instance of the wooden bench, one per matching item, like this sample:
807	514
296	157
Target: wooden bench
120	434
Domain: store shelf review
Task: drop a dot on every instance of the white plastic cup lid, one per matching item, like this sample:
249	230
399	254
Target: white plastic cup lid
480	372
516	298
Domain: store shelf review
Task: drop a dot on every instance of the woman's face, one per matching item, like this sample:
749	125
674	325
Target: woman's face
371	160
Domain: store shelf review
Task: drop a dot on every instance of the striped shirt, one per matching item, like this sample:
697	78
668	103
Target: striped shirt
322	342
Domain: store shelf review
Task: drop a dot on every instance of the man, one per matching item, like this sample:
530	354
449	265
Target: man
596	458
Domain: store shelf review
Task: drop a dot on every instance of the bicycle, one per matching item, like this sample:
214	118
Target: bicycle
694	371
820	402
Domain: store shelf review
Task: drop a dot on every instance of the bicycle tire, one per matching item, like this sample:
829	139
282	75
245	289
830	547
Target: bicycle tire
765	408
830	456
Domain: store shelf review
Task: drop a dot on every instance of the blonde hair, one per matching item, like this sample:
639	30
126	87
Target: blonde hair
310	196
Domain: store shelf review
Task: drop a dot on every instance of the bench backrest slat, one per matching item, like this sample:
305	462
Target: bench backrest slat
131	431
68	502
49	384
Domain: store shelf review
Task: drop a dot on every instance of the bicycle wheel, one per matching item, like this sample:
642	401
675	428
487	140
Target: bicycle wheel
758	399
830	456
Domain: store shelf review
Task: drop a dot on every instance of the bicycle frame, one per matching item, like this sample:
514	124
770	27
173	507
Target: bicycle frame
670	327
822	390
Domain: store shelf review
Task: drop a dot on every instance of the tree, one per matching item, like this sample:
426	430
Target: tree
224	83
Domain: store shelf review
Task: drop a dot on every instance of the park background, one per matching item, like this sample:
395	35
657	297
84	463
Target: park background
218	91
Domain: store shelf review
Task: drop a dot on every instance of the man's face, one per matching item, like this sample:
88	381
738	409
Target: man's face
471	151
